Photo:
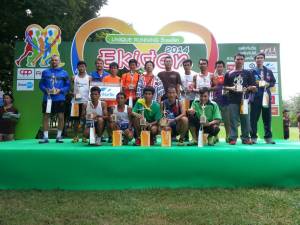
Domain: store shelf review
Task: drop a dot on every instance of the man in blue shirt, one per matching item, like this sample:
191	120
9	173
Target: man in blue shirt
55	84
264	79
99	73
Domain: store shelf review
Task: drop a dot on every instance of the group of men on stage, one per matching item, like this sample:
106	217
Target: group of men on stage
188	102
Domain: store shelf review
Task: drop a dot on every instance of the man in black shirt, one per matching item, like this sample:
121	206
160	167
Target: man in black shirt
240	83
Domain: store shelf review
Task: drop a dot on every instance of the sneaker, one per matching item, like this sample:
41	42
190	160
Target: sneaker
180	142
210	141
137	142
232	142
75	139
247	142
254	140
44	141
84	140
270	141
98	141
59	140
109	140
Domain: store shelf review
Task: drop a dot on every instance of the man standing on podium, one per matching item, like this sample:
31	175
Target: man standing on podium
55	84
261	103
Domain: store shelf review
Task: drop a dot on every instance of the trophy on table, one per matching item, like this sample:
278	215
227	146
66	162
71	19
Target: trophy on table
145	134
166	139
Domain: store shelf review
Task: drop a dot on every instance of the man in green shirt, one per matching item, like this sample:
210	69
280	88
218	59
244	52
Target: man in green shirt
206	112
152	115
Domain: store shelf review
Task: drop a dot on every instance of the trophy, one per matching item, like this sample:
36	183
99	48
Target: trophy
239	84
142	120
53	90
203	118
164	120
113	117
90	123
145	134
262	82
203	121
166	139
185	101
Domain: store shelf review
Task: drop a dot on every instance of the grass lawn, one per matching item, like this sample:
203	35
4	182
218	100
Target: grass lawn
172	206
214	206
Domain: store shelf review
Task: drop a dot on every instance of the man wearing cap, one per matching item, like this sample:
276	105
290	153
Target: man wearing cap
261	103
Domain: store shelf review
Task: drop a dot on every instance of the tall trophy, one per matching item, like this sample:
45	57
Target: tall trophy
90	123
262	82
185	101
166	140
53	90
145	134
203	120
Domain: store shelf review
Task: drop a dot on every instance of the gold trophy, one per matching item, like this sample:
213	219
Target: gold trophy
185	101
262	82
145	134
53	90
166	140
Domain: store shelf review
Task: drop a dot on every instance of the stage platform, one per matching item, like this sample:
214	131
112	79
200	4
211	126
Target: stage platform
25	164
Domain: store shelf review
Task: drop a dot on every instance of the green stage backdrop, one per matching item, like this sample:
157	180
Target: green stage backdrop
32	57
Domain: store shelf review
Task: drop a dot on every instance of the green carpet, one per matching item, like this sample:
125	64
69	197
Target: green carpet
24	164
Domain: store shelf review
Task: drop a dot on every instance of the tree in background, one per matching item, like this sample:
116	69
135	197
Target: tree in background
293	105
16	15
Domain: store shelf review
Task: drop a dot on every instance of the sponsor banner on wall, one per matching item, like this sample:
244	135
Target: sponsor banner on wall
25	85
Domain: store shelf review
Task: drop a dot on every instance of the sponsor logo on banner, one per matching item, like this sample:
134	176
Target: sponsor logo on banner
109	91
275	100
249	65
25	85
270	51
38	73
275	110
271	66
25	73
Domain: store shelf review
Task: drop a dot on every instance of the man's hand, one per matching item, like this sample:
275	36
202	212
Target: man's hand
191	111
